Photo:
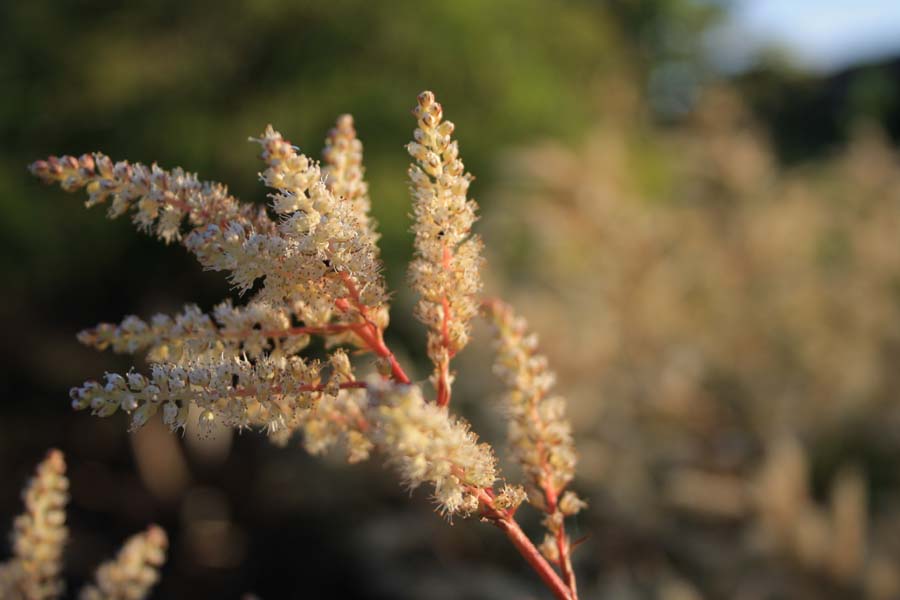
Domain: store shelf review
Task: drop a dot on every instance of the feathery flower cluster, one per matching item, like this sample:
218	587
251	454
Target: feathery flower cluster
321	234
338	419
539	435
238	364
428	446
344	172
238	392
445	271
250	330
161	199
39	537
339	415
134	571
316	272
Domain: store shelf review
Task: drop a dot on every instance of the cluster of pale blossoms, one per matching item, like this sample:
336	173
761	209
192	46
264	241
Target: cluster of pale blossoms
314	269
445	270
539	434
39	537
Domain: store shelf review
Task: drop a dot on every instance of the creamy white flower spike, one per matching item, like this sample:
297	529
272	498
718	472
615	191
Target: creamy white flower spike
161	200
344	172
234	390
445	270
253	330
426	445
134	572
325	236
539	435
39	535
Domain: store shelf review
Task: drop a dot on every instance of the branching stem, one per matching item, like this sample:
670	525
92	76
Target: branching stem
505	521
368	331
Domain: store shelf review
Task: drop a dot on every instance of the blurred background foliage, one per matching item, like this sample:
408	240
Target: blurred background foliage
711	260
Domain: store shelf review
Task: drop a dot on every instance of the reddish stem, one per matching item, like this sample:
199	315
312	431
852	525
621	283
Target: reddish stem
374	340
505	521
319	330
347	385
551	495
534	558
319	387
443	368
565	561
368	331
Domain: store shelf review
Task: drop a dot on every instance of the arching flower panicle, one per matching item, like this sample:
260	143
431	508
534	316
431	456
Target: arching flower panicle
161	200
236	391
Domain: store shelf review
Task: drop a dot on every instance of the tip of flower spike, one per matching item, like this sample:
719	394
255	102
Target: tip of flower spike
344	122
46	170
55	460
428	111
425	99
268	132
156	536
38	167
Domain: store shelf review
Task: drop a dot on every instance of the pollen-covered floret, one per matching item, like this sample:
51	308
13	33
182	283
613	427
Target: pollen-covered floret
427	445
510	497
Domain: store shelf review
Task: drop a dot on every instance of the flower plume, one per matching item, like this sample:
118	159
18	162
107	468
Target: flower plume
446	269
308	265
